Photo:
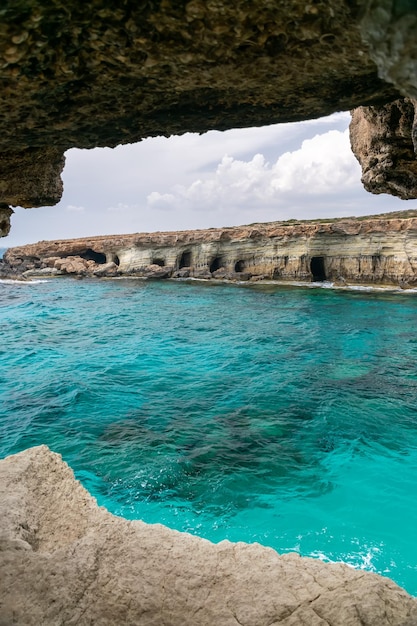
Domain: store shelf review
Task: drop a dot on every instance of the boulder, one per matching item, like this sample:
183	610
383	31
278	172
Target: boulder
156	271
242	276
50	261
204	274
107	269
221	273
182	273
72	265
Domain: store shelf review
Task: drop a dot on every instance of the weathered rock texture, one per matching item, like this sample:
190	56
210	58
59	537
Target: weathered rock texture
384	140
372	250
39	176
78	73
86	74
389	26
65	561
5	214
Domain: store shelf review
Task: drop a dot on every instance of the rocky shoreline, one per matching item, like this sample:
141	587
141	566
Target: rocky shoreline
64	560
375	250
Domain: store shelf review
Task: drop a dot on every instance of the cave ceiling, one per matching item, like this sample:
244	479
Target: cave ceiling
102	73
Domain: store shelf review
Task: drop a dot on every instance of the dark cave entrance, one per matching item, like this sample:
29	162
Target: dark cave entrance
159	262
216	264
317	268
185	260
116	260
92	255
239	266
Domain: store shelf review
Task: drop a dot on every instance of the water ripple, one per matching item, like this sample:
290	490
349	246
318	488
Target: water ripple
272	414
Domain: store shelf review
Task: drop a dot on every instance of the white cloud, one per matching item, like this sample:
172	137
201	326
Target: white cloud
323	165
161	201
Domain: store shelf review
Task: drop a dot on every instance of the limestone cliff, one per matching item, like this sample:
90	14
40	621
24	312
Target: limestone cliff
65	561
372	250
86	74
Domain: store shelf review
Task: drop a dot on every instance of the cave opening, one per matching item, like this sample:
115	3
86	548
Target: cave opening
91	255
239	266
215	264
185	260
376	261
317	268
116	260
159	262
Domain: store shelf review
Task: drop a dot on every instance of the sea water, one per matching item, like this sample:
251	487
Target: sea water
276	414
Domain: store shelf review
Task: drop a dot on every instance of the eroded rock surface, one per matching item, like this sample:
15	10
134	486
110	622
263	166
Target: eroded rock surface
97	74
389	26
363	250
384	140
65	561
5	215
78	73
39	176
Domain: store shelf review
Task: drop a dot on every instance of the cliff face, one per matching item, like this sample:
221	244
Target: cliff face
373	250
64	560
99	74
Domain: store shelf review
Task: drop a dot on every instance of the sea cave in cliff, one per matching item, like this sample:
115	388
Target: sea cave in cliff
317	268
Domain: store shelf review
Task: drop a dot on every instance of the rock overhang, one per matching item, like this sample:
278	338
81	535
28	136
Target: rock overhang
87	74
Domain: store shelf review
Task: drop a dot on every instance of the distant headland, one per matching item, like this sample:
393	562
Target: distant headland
367	250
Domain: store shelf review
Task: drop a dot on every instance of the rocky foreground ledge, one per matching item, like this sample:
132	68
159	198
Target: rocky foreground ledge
66	561
371	250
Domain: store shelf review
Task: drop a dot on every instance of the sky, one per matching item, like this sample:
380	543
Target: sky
300	170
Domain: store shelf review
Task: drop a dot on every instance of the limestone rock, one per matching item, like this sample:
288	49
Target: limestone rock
49	261
157	271
73	76
382	140
5	214
64	560
72	265
182	273
44	271
202	274
107	269
381	249
97	74
220	273
389	28
31	177
241	276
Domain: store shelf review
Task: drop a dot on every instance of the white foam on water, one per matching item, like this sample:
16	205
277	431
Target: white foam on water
362	561
330	285
11	281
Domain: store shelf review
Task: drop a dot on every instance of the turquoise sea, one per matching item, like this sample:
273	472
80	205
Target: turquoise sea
276	414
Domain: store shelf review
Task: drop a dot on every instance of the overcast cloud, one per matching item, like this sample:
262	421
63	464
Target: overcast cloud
278	172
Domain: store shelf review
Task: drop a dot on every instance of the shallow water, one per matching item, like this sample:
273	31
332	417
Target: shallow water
274	414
